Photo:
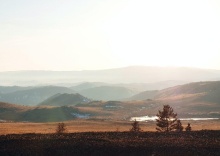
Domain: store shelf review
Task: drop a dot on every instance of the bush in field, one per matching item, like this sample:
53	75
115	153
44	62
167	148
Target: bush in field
188	127
179	127
61	128
135	126
166	121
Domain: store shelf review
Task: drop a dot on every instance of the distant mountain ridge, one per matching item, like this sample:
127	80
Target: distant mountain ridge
10	89
133	74
34	95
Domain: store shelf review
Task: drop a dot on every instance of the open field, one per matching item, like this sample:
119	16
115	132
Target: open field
90	125
113	143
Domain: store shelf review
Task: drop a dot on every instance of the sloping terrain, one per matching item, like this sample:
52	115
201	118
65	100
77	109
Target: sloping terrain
33	96
144	95
13	112
88	85
49	114
107	93
137	87
200	99
206	91
65	99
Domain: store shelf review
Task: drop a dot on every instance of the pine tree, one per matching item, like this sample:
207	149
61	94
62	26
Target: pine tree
179	127
135	126
166	119
188	127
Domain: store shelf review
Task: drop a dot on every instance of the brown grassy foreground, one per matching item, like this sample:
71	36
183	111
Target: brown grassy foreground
113	143
101	137
94	126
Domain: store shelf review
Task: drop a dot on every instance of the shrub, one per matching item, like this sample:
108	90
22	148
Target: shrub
135	126
188	127
179	127
61	128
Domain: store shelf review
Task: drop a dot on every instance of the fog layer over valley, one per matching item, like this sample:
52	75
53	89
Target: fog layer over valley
133	74
111	102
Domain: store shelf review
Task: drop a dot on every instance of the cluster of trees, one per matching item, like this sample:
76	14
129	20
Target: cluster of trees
167	121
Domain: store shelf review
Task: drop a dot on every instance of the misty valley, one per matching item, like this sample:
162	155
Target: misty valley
89	118
93	100
109	77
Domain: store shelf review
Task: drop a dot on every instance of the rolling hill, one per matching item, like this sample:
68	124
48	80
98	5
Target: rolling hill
33	96
13	112
144	95
208	91
107	93
88	85
65	99
49	114
137	87
198	99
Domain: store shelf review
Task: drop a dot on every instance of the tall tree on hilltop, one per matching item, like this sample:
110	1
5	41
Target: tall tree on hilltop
166	121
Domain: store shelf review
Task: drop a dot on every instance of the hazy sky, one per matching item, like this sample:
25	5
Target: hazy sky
100	34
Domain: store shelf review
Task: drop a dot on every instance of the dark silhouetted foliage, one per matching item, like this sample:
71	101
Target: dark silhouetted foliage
179	127
196	143
188	127
166	119
135	126
60	128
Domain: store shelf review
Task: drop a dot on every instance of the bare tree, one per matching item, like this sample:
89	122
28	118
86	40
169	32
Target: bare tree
61	128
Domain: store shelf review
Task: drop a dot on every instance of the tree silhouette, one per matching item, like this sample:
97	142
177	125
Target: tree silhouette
166	119
179	127
135	126
60	128
188	127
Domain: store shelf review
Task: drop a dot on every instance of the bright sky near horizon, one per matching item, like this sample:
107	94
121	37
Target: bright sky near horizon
100	34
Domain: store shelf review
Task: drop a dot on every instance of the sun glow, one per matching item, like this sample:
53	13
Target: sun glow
166	33
105	34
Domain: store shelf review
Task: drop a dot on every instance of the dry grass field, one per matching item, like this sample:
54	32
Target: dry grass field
202	143
89	125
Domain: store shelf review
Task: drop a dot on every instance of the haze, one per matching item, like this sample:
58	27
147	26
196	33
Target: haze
79	35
